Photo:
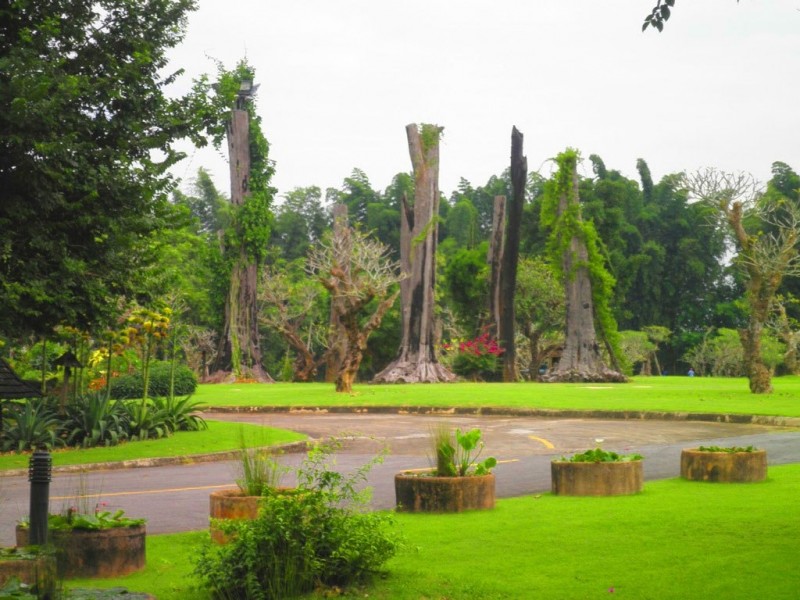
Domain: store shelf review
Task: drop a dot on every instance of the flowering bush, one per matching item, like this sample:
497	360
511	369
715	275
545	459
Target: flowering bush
475	359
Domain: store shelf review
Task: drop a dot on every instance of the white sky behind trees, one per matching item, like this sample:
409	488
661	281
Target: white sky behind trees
340	79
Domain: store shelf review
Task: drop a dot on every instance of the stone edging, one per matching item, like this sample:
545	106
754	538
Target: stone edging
552	413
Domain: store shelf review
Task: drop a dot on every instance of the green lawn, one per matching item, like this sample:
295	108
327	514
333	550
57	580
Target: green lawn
220	436
681	394
677	540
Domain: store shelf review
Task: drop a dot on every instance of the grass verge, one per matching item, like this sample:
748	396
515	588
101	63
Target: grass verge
219	437
677	394
677	540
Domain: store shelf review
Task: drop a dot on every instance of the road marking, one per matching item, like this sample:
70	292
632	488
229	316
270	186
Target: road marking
140	492
542	440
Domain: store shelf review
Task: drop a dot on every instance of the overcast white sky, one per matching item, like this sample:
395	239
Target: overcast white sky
340	79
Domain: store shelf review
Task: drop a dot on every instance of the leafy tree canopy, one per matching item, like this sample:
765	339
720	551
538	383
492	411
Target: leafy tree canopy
86	138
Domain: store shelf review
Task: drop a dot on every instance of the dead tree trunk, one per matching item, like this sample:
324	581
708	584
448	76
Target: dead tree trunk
581	360
508	271
239	355
337	340
416	361
495	260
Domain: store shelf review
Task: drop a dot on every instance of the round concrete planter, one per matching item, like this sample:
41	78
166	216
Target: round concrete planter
230	504
95	552
427	493
724	467
596	478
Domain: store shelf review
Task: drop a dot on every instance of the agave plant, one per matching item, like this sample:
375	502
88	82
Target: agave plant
181	414
94	419
147	419
30	425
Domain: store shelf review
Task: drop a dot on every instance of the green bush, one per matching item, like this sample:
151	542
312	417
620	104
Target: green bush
132	386
321	534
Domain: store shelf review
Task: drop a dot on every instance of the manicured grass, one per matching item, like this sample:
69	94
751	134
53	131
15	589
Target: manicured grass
681	394
219	437
677	540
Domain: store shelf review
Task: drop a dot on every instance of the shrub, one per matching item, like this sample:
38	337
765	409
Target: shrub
319	535
132	386
476	359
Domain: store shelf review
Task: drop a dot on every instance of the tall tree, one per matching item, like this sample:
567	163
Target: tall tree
239	354
767	237
574	251
87	133
416	361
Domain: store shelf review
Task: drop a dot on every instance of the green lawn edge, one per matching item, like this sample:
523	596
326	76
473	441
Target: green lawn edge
647	394
677	540
220	436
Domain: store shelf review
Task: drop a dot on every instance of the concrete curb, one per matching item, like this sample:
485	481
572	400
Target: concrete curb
163	461
552	413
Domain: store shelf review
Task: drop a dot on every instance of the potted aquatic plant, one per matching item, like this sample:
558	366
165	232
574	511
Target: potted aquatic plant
99	544
458	482
731	464
597	472
259	472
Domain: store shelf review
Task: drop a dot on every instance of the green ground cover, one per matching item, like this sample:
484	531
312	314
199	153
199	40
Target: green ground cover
677	540
682	394
219	437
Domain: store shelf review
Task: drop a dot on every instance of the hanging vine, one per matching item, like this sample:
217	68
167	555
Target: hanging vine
565	225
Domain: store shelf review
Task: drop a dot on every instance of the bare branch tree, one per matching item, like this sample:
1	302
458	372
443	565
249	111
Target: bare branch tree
356	270
766	233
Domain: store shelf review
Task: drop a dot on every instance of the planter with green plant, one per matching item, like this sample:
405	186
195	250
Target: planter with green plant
26	568
103	544
458	482
597	472
259	473
731	464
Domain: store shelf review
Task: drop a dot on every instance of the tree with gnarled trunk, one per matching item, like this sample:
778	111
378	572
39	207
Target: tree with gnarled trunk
573	247
416	361
766	233
360	277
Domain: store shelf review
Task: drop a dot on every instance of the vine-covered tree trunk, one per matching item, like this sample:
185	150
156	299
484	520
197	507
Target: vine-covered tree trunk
508	271
239	354
337	340
495	260
416	361
581	359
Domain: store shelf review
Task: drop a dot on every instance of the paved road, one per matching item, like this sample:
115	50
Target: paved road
176	498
